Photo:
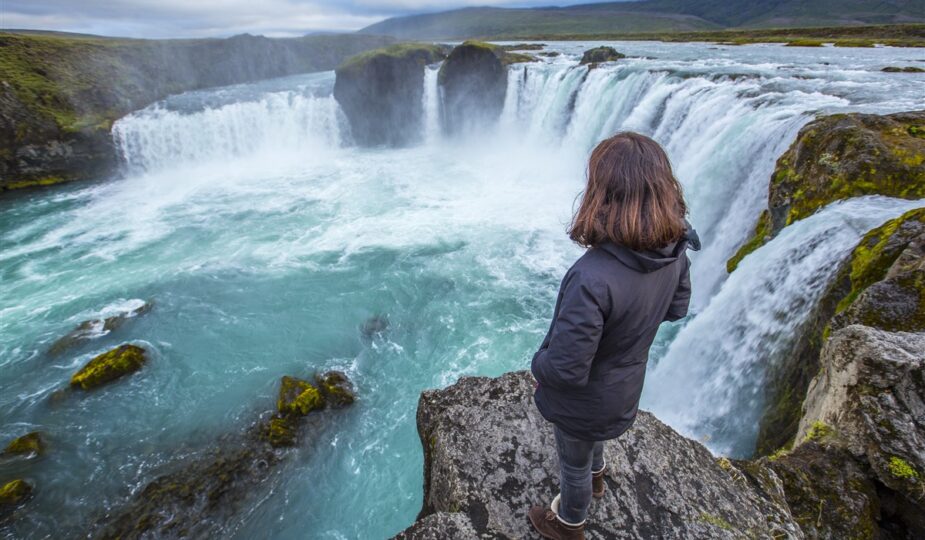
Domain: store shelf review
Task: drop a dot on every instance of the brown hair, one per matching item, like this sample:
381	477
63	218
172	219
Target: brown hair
632	198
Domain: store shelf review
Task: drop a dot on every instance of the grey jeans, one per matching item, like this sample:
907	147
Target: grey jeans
577	459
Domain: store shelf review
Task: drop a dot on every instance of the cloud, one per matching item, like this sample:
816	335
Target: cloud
202	18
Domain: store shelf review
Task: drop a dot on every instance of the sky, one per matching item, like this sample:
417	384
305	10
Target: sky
220	18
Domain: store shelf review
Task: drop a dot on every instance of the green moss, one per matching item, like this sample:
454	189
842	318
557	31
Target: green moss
871	260
423	53
37	182
280	432
779	453
854	43
336	389
901	469
759	237
109	366
15	492
716	521
818	431
30	444
298	397
507	58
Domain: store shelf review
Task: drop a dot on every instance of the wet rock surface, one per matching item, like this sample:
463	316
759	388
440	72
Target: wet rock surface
489	455
109	366
841	156
28	446
598	55
474	83
94	328
381	92
199	498
881	284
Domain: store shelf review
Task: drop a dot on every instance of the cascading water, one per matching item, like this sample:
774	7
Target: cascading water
266	239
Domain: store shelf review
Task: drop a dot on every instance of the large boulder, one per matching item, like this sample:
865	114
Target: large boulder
841	156
489	455
381	92
598	55
474	83
880	284
871	392
109	366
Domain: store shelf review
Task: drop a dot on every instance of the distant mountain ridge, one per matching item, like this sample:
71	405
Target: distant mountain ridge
648	16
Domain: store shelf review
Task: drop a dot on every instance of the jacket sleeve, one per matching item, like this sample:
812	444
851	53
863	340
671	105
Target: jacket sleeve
682	295
566	360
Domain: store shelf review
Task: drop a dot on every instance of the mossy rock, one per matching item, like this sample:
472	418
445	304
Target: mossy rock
886	272
474	83
906	69
842	156
298	397
805	43
31	445
281	432
381	92
828	492
599	55
109	366
336	388
15	492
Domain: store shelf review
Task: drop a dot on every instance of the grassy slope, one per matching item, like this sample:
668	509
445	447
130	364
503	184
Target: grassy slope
653	16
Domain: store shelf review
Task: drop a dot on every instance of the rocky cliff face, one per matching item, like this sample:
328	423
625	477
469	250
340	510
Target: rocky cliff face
841	156
381	93
474	82
881	284
489	455
59	96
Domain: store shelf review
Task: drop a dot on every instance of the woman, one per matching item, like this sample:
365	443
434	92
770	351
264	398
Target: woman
634	276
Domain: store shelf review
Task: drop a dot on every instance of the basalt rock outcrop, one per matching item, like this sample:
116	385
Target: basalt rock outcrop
195	499
489	455
60	95
473	80
841	156
598	55
95	328
109	366
870	391
381	92
881	284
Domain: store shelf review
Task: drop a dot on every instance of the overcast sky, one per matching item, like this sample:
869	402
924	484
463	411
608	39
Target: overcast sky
203	18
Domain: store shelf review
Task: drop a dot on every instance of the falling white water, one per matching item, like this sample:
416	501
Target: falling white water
710	384
288	123
431	103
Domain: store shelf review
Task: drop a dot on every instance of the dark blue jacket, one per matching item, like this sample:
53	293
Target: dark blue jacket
592	364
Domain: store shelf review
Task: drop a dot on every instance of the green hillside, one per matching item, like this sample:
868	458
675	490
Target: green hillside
649	16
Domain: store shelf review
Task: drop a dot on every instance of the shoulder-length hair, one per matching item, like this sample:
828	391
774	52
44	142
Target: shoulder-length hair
632	197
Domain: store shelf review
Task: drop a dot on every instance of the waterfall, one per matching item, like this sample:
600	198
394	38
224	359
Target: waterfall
710	383
431	103
290	122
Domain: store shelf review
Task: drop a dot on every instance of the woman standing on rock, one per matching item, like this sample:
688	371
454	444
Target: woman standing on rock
635	275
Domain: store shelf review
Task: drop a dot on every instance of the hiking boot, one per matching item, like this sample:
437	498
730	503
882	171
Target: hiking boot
597	483
546	522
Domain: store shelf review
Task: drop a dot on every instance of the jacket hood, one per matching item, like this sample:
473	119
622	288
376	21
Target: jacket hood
652	260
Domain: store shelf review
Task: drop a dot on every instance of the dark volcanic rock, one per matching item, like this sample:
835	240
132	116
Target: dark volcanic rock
440	526
197	499
381	92
841	156
474	83
598	55
881	284
109	366
829	493
489	455
871	391
94	328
